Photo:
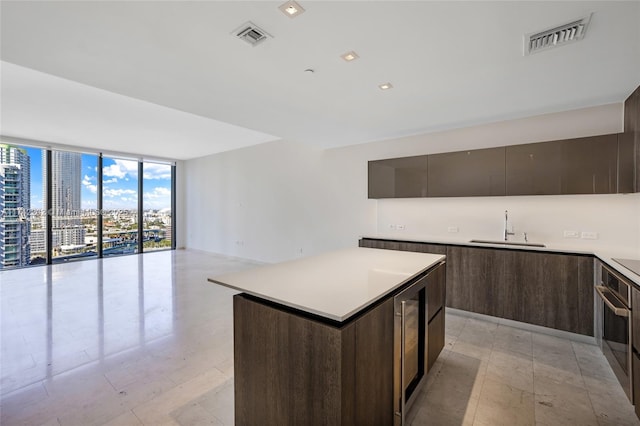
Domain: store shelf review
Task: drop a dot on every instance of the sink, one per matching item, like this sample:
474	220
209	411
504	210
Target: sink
507	243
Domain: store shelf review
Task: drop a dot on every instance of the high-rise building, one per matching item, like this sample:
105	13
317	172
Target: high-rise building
15	203
66	187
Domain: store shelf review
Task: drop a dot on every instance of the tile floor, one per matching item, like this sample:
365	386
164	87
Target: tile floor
146	340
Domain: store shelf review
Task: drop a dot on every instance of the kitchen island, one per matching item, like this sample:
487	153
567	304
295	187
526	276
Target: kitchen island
314	337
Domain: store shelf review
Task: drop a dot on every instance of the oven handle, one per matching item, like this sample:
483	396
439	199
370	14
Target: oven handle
403	305
621	312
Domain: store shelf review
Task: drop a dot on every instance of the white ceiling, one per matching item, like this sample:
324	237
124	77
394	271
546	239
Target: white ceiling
188	84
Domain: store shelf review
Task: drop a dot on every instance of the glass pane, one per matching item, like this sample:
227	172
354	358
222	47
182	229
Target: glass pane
157	206
22	239
412	330
89	204
120	206
71	184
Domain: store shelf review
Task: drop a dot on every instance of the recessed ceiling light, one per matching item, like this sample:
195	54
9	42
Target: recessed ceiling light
291	9
349	56
385	86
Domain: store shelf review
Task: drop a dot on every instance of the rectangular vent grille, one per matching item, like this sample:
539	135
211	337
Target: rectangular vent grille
251	33
554	37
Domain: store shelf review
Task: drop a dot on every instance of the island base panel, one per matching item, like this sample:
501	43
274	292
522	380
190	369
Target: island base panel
293	370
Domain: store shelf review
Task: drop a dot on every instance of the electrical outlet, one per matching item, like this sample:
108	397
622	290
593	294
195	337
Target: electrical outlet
588	235
571	234
400	227
452	229
392	226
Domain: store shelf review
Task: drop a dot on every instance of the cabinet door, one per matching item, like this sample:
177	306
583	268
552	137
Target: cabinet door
398	177
589	165
626	163
635	362
479	172
373	367
436	290
534	169
632	134
551	290
475	279
435	338
635	316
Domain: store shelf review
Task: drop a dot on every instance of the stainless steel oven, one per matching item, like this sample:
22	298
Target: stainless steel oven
613	323
410	338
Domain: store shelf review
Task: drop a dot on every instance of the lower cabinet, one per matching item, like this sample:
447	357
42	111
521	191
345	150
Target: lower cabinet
293	369
635	362
635	347
551	290
548	289
435	338
476	279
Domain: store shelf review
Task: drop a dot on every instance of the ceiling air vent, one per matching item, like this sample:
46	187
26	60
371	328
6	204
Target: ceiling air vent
251	33
554	37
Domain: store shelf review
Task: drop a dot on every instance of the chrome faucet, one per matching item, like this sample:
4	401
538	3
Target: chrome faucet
506	226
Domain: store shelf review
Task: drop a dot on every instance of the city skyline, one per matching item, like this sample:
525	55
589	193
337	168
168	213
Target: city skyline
120	183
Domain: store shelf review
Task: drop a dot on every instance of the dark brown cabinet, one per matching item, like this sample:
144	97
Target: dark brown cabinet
398	177
551	290
476	279
294	369
635	347
479	172
403	246
534	169
589	165
630	145
313	373
436	296
436	292
435	338
635	318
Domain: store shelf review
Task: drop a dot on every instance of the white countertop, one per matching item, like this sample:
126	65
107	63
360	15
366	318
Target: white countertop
334	285
605	254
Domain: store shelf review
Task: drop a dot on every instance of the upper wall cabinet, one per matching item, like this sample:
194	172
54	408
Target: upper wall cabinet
480	172
593	165
398	177
534	169
630	144
589	165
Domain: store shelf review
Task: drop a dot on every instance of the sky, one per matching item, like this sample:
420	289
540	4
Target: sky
120	183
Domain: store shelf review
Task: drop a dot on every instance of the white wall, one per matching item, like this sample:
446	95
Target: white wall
283	199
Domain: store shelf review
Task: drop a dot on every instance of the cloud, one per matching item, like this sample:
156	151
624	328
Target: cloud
87	181
112	180
158	192
112	193
158	198
121	169
156	171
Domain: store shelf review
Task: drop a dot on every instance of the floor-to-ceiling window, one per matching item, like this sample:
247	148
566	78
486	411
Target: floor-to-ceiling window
22	235
73	205
156	201
119	206
61	206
